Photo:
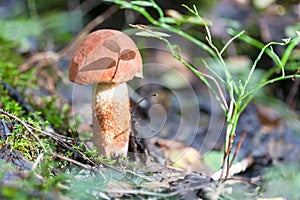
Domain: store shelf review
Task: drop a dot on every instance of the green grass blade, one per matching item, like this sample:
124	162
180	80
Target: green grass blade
159	10
230	41
289	50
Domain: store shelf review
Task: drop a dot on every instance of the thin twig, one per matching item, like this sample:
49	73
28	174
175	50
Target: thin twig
72	161
222	96
138	175
231	139
26	126
37	161
53	135
16	95
56	137
225	164
290	100
164	195
238	146
51	58
142	99
45	58
61	140
88	28
235	169
143	192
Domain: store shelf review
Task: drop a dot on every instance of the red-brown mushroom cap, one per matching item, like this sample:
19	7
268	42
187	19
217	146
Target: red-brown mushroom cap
105	56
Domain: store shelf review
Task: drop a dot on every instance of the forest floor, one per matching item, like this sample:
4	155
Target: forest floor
176	150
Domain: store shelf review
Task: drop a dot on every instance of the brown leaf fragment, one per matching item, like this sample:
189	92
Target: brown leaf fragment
155	185
112	45
269	118
100	64
119	186
127	55
180	156
278	149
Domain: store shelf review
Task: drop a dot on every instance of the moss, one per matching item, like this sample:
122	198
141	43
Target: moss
9	72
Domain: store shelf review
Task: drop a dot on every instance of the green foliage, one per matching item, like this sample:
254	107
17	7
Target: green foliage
241	90
281	181
90	153
57	113
95	186
112	161
28	187
20	29
10	105
9	72
51	176
85	187
29	25
21	140
8	54
51	114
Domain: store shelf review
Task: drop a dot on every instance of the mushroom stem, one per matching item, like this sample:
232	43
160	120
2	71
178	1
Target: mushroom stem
111	118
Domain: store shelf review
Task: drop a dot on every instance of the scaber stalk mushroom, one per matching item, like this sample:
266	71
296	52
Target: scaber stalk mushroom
108	59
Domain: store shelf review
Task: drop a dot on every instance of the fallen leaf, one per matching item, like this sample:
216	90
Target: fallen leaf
180	156
155	185
269	118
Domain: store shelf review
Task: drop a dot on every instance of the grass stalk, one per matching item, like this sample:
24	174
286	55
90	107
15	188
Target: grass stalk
239	92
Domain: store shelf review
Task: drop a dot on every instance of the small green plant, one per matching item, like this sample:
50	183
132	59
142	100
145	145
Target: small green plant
9	72
241	89
26	131
57	112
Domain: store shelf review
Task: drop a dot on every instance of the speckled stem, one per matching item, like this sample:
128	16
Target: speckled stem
111	119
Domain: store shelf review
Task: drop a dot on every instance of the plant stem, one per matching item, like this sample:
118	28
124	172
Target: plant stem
164	25
240	94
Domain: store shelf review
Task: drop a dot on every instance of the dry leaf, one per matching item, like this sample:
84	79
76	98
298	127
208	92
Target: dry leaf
180	156
155	185
269	118
119	186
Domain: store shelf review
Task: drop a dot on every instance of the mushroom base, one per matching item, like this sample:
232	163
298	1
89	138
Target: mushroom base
111	119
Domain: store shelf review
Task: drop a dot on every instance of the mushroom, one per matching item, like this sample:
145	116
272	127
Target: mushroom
108	59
